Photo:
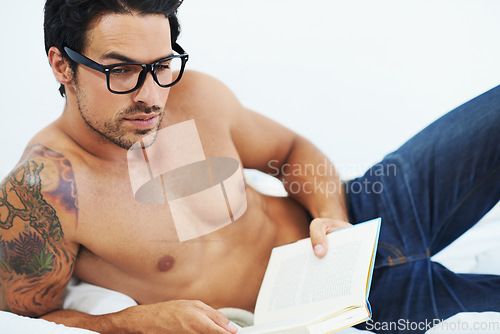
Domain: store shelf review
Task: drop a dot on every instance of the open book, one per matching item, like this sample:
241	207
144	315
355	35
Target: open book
304	294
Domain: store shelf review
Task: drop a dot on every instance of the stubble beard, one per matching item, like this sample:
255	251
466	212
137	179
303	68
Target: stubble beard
112	131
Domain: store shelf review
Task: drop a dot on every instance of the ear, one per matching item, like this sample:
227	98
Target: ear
60	66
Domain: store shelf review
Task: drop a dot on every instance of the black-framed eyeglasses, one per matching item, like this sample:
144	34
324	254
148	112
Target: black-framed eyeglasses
124	78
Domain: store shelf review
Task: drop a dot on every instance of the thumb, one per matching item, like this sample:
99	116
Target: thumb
318	231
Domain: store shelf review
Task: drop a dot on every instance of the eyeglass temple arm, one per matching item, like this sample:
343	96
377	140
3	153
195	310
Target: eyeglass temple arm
81	59
177	48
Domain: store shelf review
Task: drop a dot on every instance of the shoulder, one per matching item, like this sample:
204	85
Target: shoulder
199	93
201	83
38	211
257	138
48	172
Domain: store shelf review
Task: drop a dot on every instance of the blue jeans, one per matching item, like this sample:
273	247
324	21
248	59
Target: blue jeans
429	192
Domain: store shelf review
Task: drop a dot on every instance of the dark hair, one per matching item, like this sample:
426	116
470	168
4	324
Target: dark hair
66	22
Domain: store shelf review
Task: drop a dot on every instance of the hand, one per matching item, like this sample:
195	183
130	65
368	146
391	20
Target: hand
318	230
177	316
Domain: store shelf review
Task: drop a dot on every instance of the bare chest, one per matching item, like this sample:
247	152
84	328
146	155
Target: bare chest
135	248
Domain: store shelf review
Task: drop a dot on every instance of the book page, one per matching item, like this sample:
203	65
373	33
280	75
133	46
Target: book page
300	287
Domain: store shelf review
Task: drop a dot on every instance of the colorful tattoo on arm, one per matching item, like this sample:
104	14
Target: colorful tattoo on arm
36	262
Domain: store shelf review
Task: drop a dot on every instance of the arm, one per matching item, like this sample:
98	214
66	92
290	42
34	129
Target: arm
179	316
311	179
38	223
306	173
37	258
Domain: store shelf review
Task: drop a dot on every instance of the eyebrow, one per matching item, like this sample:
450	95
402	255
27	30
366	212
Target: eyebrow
125	59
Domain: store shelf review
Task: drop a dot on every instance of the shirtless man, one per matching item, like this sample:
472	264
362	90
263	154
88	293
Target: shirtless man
75	183
69	201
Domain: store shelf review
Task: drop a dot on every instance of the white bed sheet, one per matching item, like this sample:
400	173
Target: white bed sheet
14	324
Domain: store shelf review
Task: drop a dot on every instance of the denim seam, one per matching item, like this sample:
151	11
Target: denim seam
400	258
432	289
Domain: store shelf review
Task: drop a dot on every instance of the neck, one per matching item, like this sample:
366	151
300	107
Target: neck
74	126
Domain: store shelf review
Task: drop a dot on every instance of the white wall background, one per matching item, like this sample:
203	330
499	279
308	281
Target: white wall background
357	77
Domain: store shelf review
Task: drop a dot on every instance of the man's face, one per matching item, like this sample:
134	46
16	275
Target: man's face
116	38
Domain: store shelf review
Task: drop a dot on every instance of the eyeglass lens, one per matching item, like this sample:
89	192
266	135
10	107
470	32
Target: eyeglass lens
125	77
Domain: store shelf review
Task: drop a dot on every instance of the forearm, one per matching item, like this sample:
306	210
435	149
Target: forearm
310	178
175	316
108	323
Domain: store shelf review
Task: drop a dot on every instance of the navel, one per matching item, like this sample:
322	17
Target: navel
166	263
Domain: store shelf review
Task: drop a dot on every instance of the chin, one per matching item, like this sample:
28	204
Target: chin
144	140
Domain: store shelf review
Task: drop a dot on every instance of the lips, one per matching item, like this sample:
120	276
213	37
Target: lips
143	121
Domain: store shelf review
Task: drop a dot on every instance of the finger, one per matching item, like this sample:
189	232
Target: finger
231	328
207	325
220	319
338	224
223	322
318	231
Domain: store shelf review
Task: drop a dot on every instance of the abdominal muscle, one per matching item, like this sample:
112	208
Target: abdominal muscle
223	269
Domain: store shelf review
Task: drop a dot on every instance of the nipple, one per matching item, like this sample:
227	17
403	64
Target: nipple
166	263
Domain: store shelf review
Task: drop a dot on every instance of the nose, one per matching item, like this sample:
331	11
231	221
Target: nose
150	93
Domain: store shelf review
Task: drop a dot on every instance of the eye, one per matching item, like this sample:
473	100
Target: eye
126	70
165	65
119	70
